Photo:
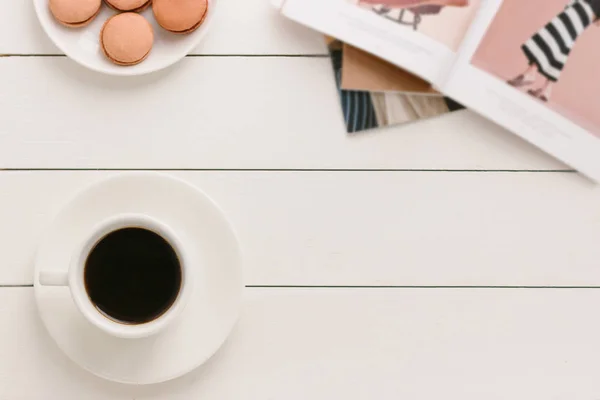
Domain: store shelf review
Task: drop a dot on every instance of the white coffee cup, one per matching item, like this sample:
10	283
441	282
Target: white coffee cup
73	277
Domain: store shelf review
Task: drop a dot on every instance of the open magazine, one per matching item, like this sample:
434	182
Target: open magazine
530	66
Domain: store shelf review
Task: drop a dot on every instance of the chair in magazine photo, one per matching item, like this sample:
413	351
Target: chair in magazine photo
418	8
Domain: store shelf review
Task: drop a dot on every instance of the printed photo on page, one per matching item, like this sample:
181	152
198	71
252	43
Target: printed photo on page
445	21
372	105
548	49
533	69
421	36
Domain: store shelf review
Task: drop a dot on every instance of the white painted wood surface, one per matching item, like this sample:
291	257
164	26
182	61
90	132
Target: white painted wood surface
367	344
364	228
256	120
221	112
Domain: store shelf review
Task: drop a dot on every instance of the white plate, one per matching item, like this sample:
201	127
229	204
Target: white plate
83	44
210	313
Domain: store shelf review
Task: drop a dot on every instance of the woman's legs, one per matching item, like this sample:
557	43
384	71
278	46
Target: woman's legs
546	90
543	92
525	78
529	73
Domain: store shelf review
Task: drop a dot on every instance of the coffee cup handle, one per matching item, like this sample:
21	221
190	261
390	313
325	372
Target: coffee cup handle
54	278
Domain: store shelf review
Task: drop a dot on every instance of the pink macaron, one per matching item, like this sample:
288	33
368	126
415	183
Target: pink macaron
126	39
180	16
75	13
128	5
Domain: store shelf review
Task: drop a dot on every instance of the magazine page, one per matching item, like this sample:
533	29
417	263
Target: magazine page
532	66
421	36
364	109
364	71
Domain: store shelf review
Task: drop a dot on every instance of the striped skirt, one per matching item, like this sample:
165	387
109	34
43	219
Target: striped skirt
549	48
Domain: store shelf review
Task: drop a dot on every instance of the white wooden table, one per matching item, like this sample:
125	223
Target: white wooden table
445	259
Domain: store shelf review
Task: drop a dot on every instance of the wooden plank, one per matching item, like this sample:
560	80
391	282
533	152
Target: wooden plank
230	113
349	344
363	228
241	27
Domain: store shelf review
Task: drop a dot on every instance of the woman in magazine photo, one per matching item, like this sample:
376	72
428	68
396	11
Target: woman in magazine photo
548	49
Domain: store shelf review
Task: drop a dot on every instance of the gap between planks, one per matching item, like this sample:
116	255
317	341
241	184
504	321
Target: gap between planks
569	171
388	287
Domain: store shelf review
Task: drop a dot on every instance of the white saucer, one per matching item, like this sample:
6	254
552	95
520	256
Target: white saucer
83	44
212	309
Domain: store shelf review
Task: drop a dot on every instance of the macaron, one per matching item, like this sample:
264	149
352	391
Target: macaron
128	5
180	16
126	39
75	13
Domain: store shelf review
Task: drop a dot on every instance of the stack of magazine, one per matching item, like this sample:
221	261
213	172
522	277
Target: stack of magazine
375	93
529	66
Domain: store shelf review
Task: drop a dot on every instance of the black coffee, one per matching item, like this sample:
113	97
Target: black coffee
132	275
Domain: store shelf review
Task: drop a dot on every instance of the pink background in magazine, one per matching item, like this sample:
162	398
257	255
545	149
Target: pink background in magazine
450	25
447	27
577	93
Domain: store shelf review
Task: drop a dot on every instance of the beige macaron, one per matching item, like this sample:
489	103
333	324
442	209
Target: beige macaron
75	13
180	16
128	5
126	39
